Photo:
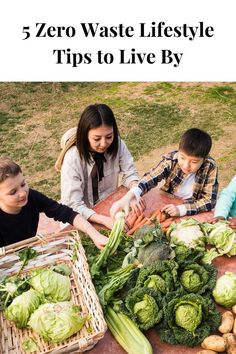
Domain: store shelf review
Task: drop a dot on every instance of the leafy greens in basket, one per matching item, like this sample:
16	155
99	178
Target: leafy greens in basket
54	286
57	322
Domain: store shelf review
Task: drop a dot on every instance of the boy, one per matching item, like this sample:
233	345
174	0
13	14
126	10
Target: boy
189	173
20	207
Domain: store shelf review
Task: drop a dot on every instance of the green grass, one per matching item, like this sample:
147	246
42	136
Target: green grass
33	117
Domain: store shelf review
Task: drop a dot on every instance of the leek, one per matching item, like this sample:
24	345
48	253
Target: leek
111	246
126	333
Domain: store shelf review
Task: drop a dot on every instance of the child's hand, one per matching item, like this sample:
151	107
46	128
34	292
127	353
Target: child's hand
171	209
138	206
232	223
107	221
216	219
100	240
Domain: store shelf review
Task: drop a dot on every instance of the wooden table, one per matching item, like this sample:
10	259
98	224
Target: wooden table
155	199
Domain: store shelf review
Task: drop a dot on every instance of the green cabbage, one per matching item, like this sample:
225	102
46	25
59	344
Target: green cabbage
22	307
54	286
155	282
143	305
188	315
57	322
197	278
224	292
187	319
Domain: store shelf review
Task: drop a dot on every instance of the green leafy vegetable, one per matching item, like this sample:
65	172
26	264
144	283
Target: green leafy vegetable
22	307
127	333
221	236
209	255
62	269
111	246
197	278
10	287
143	305
54	286
188	319
161	276
29	345
188	315
187	232
113	281
57	322
224	292
25	255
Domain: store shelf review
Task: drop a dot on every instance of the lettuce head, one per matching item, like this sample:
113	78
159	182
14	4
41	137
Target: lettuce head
57	322
224	292
54	286
22	307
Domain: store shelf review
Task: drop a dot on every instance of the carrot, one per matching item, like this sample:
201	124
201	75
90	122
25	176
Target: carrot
131	219
158	216
136	227
139	219
163	217
167	222
164	229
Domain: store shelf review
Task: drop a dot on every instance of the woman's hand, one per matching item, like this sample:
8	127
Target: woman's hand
171	209
122	204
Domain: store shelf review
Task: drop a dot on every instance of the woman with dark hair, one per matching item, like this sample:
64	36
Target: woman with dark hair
94	159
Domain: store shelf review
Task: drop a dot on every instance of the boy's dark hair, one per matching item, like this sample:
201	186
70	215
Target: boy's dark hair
93	117
8	168
195	142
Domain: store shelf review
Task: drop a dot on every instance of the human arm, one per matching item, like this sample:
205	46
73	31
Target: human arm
126	165
107	221
129	200
83	225
171	209
73	183
66	214
149	181
226	200
205	191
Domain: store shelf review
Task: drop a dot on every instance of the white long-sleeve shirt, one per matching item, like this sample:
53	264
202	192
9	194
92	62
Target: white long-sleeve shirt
76	180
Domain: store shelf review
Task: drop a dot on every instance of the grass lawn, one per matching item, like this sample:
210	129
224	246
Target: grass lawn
151	117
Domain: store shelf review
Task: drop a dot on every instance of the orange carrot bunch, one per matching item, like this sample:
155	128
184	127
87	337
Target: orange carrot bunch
136	222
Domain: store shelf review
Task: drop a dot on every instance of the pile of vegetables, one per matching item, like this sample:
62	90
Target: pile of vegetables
158	282
135	222
40	301
226	342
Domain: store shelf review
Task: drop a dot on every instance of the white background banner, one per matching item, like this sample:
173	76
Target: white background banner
55	40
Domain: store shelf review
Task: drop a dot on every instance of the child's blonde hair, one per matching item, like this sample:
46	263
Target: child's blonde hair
8	168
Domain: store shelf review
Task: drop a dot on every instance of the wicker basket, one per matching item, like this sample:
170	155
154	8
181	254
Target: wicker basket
53	249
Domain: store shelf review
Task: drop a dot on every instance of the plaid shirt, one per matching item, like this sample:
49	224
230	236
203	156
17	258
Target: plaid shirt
205	186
